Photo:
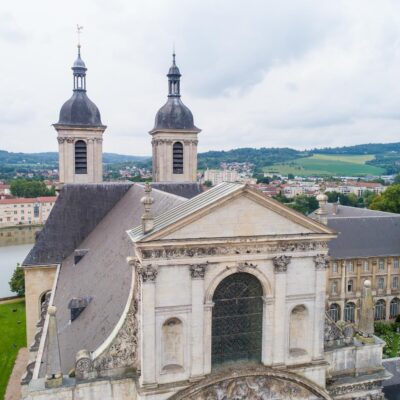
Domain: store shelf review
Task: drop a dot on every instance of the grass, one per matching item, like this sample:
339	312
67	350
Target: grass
327	165
12	338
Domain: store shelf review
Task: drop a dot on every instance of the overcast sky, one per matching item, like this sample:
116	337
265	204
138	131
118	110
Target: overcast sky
298	73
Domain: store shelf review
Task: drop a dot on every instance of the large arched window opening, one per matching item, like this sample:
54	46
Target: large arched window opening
334	312
80	157
349	312
177	157
394	307
237	319
380	307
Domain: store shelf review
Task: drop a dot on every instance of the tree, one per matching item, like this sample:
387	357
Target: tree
290	176
304	204
389	200
30	188
17	281
207	183
397	179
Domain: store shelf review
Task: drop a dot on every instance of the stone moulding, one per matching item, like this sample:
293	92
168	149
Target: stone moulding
207	251
360	387
252	383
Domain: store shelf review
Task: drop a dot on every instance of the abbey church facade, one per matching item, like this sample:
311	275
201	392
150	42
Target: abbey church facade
164	291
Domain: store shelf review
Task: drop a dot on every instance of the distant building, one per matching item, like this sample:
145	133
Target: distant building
33	211
354	187
367	248
4	189
217	176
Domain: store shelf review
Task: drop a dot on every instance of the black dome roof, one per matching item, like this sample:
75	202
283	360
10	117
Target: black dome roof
80	110
174	115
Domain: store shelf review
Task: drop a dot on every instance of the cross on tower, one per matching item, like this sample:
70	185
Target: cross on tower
79	29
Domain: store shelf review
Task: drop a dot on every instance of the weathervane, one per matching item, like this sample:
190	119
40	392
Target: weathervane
79	29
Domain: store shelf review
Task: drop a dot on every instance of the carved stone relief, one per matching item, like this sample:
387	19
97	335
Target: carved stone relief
122	352
281	263
148	273
43	312
188	252
321	261
198	270
254	383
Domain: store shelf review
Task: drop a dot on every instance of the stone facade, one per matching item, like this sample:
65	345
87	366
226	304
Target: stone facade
162	145
93	138
345	281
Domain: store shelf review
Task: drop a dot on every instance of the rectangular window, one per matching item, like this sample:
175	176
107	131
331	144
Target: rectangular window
395	282
15	212
381	283
350	286
350	266
334	287
396	263
381	264
366	266
334	268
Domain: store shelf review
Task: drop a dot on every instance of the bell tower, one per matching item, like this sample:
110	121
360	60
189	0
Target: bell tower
174	135
80	133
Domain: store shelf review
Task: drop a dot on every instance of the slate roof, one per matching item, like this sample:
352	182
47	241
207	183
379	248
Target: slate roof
363	233
76	212
79	111
174	115
102	274
186	189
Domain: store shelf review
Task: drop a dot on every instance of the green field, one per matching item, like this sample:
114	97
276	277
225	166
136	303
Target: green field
12	338
327	165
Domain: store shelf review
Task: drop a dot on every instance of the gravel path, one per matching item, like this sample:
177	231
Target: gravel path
14	388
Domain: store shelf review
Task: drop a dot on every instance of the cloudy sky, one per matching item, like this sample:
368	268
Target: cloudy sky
290	73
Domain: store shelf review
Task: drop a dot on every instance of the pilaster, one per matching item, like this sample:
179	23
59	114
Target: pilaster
148	275
280	319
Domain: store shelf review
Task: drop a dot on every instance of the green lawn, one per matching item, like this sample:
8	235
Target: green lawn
324	164
12	338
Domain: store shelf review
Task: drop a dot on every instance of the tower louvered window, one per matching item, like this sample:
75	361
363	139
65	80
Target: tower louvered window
177	156
80	157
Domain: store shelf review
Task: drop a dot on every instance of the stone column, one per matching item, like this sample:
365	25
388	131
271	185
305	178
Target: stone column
197	342
280	318
61	158
90	161
389	277
321	265
148	275
69	174
358	282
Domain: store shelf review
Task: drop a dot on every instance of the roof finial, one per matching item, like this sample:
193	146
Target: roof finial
79	29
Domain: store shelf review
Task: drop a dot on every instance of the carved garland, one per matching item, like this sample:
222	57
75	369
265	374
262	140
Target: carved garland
184	252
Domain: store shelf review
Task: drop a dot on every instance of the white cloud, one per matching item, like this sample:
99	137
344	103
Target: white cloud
255	73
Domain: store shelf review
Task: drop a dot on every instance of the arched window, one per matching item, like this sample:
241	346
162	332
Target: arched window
80	157
298	331
237	319
380	306
177	157
172	345
394	307
334	312
349	312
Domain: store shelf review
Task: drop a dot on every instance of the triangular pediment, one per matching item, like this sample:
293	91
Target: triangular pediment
243	212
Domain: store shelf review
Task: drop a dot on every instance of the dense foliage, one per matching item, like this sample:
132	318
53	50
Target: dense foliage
30	188
302	203
389	200
369	148
258	157
389	333
17	281
351	199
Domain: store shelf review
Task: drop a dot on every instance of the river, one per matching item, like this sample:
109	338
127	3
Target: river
15	244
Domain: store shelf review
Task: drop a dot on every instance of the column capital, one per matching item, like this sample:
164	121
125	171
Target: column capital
148	273
198	271
281	263
321	261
